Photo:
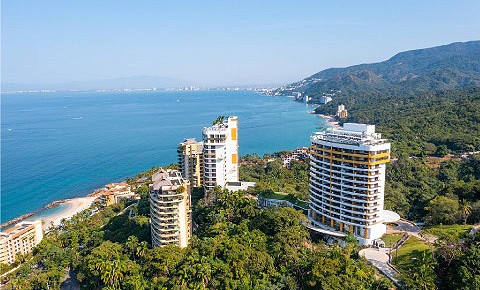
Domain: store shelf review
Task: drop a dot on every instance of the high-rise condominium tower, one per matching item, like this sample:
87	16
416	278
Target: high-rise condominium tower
170	209
190	159
220	153
347	179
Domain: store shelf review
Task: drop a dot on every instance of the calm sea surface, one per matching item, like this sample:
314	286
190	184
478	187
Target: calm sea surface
62	145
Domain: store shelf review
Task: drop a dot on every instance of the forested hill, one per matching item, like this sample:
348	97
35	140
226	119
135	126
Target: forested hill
442	67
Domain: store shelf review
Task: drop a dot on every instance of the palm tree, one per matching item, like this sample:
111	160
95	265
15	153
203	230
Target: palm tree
113	273
465	210
142	249
132	244
219	120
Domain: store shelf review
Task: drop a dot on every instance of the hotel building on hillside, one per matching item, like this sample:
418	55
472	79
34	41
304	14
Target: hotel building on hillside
190	159
20	238
347	181
220	153
170	209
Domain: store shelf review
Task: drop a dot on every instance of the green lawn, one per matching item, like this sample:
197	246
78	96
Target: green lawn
391	239
453	231
284	196
411	250
278	195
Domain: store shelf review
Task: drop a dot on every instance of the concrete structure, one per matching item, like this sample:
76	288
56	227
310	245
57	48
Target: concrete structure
342	113
297	154
239	185
114	192
20	238
325	99
284	202
347	178
220	153
170	209
190	159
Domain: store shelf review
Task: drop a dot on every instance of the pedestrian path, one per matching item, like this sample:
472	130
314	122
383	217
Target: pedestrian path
380	259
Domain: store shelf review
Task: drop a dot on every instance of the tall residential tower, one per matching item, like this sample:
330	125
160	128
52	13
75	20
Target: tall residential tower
170	209
190	159
220	153
347	179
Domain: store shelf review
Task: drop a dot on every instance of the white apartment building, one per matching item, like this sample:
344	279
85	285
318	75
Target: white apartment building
170	209
347	181
220	153
190	159
20	238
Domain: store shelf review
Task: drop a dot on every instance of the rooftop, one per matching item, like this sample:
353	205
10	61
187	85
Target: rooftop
163	179
190	141
19	227
351	133
221	126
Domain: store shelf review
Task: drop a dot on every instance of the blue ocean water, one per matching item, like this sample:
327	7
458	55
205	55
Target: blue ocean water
63	145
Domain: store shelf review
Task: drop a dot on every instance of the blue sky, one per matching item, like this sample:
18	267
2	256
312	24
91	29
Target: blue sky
218	42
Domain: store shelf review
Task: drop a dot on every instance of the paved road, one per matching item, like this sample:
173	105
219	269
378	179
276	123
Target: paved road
410	228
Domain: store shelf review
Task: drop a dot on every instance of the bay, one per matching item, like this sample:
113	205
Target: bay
66	144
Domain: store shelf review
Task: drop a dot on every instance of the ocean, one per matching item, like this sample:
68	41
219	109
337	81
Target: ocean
65	144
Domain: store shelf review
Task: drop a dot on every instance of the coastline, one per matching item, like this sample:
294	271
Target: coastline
66	208
331	120
23	217
71	206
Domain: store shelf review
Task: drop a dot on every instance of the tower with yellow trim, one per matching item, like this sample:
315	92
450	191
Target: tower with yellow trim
220	153
347	180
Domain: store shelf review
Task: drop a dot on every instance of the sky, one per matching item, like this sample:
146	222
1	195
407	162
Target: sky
211	43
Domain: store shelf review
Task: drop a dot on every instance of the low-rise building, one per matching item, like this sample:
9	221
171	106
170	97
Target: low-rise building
325	99
114	192
297	154
19	239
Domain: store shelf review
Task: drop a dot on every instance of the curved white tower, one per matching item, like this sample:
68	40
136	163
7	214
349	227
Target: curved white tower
347	179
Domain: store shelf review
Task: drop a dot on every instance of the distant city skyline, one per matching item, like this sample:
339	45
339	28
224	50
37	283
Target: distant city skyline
217	43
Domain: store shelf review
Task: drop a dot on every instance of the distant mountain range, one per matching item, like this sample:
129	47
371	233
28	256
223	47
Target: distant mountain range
134	82
442	67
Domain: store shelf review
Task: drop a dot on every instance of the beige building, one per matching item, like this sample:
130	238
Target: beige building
342	113
20	238
114	192
220	153
170	209
347	181
190	159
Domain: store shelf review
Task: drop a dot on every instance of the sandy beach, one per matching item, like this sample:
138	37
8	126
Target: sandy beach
67	210
331	120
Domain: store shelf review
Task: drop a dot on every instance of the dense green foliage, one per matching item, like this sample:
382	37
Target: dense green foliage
444	67
453	264
237	246
269	174
418	123
446	194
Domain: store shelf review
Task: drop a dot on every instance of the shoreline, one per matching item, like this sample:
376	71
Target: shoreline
70	207
331	120
23	217
73	206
